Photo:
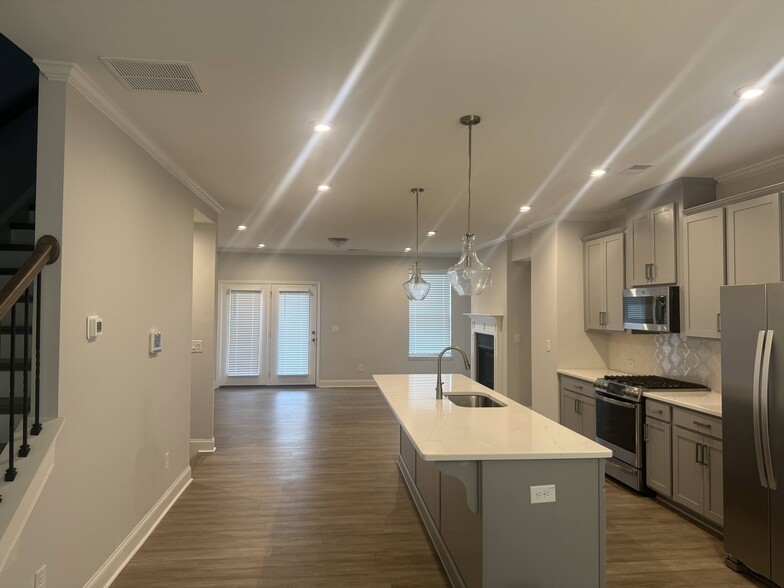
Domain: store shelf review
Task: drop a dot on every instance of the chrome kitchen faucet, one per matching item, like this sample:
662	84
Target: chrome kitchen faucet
439	383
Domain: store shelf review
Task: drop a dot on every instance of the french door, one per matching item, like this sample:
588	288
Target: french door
268	334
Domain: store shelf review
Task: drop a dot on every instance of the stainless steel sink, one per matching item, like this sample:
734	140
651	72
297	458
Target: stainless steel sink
473	401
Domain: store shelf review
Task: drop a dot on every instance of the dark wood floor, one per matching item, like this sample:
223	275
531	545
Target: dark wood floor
304	491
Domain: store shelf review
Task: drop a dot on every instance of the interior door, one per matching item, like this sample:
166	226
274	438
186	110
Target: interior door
293	335
243	350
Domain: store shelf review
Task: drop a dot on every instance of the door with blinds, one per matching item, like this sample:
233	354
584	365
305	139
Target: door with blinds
293	335
269	334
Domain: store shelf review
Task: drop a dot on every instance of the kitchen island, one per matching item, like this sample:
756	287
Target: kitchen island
508	496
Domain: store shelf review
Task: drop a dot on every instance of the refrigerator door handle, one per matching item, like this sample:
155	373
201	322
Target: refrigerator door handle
755	404
764	393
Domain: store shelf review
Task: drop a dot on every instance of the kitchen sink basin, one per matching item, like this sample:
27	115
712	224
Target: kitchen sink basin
473	401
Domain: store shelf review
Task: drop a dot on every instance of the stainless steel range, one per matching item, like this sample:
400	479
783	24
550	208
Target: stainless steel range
619	422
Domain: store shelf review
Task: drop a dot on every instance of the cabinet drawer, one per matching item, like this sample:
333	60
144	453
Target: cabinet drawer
698	422
658	410
577	386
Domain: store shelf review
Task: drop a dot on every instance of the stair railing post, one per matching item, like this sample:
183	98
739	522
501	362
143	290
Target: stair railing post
24	448
37	427
10	473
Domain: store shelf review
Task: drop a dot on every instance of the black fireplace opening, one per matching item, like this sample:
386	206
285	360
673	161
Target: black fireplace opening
485	360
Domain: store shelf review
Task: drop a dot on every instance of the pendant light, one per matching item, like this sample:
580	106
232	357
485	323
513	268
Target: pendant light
469	276
416	288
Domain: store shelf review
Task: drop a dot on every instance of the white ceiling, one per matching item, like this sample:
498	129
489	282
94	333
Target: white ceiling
562	86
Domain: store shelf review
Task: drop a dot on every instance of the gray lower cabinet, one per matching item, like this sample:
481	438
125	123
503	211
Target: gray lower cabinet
578	406
697	464
658	456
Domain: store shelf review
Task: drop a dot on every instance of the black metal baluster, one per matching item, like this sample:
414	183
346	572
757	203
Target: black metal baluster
37	427
24	449
10	473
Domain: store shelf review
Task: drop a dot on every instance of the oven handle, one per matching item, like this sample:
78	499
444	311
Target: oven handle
603	398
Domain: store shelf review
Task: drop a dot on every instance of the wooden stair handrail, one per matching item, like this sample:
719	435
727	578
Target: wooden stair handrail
47	251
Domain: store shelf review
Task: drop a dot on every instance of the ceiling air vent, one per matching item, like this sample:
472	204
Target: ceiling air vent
635	169
148	75
338	241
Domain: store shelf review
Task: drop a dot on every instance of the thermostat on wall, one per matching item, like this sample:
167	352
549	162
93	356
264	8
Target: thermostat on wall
155	341
94	327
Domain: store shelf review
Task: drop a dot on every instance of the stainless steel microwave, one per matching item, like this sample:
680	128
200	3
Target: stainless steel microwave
653	310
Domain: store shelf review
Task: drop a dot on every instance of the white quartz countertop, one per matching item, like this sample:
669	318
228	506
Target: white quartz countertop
442	431
589	374
705	402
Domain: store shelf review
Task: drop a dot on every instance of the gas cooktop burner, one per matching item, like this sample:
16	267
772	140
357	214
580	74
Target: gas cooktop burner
654	382
633	387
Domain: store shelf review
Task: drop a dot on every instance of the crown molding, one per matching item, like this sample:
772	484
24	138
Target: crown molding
71	73
751	170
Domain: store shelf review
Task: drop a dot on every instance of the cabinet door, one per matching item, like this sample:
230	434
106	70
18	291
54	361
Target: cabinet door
587	408
714	480
687	472
594	284
703	272
639	249
614	270
663	245
658	456
754	241
570	418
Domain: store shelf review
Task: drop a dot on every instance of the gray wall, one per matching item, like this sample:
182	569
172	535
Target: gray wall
126	227
203	328
361	294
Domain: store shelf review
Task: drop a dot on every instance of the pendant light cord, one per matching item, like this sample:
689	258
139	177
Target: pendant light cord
470	129
416	257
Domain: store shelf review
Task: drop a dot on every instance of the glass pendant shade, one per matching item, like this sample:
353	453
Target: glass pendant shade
469	276
416	288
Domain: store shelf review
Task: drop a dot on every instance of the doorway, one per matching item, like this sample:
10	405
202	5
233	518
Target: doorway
268	334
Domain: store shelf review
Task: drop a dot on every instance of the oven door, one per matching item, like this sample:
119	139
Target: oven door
618	427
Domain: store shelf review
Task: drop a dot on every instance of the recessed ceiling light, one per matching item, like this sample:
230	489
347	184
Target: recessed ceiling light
323	188
598	172
407	249
241	228
749	92
321	127
525	208
431	233
261	246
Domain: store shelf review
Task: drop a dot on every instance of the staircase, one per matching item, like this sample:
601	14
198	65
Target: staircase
17	242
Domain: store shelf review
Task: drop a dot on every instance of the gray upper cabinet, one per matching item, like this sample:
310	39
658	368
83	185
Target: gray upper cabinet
603	276
703	272
651	246
754	241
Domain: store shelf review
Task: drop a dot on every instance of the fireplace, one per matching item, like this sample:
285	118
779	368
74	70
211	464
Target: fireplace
485	364
487	353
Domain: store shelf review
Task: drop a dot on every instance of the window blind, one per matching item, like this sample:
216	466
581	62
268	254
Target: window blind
294	333
244	336
430	320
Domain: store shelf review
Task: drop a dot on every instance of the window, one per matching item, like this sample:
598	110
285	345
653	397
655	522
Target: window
430	320
243	357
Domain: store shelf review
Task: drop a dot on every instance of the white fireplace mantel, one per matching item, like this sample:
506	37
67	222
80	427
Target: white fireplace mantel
489	324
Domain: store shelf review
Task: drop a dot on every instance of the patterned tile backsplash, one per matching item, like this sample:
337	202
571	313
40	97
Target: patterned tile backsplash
686	358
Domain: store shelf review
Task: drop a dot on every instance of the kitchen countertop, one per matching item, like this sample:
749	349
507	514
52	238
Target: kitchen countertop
705	402
442	431
589	374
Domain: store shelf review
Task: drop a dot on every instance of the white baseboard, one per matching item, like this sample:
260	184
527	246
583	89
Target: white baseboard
347	384
128	548
203	445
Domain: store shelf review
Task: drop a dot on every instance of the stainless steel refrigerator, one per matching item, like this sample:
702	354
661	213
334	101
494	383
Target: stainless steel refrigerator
752	388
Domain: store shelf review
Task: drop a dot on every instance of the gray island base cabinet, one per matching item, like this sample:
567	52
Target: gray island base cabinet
508	496
486	531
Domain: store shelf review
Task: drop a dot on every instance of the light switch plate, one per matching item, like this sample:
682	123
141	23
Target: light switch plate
94	327
156	343
196	346
336	328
